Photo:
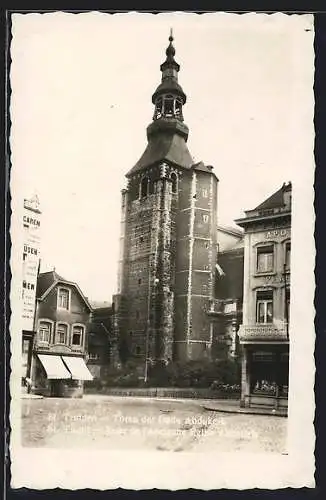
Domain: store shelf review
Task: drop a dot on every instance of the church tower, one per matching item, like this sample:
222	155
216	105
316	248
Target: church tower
168	246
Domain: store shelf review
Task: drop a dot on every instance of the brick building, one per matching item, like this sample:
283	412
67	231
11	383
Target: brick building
264	333
168	239
60	345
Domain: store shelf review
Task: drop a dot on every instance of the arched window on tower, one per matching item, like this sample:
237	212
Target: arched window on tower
178	109
158	109
174	180
169	106
144	187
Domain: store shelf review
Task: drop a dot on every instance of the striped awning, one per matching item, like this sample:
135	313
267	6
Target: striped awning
77	368
54	367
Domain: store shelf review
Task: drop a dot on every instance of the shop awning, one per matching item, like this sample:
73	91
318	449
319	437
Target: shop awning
54	367
78	368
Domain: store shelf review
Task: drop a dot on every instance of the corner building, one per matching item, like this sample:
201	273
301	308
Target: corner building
264	333
168	239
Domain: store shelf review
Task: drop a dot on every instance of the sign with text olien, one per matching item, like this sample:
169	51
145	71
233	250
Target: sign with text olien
31	260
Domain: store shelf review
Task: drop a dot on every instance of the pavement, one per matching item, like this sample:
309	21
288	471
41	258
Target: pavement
218	405
233	406
25	395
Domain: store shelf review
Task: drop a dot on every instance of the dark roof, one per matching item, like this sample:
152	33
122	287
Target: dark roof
276	200
201	166
169	85
230	230
100	304
164	146
45	280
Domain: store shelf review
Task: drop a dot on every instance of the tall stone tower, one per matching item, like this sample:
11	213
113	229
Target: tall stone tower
168	239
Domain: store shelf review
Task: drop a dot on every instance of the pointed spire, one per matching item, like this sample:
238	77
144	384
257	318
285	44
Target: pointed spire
170	53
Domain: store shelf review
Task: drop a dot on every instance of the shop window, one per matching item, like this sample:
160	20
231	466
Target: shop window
61	333
44	331
287	255
265	306
144	187
63	298
265	259
77	335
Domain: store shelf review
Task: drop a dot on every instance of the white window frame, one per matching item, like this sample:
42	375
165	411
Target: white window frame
286	244
265	302
57	326
82	336
94	356
69	298
48	322
260	251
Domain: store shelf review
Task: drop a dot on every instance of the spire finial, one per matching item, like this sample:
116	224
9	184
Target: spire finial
171	35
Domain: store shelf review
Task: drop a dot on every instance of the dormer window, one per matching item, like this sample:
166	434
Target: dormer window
63	298
144	187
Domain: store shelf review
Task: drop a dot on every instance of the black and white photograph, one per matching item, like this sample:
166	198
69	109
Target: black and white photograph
162	256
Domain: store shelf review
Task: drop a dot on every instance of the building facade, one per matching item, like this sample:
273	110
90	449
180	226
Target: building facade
168	239
31	263
60	345
264	333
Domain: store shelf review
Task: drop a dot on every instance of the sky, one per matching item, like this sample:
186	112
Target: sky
81	102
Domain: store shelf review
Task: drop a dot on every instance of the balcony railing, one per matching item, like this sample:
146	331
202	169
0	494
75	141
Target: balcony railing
263	333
